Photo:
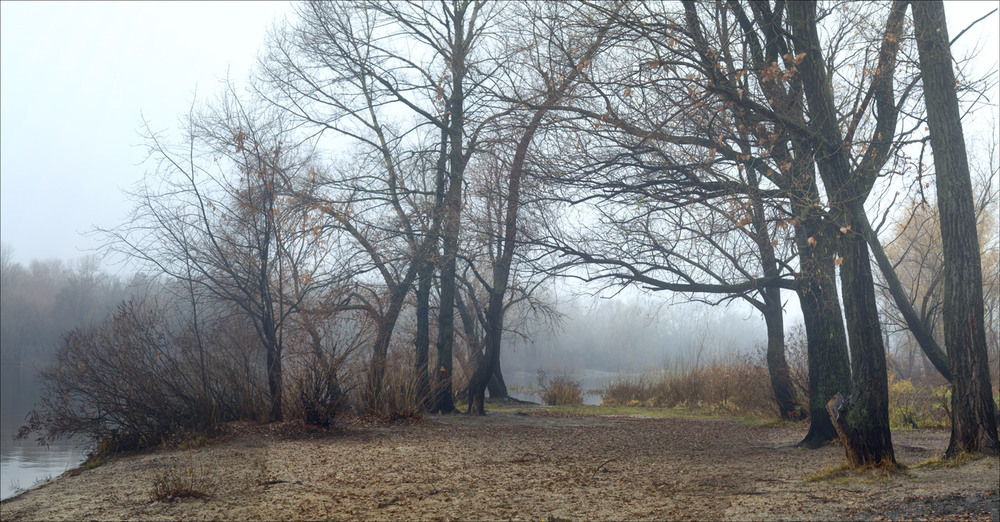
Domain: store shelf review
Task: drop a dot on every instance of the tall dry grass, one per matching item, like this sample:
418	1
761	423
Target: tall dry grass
399	398
735	385
560	389
740	385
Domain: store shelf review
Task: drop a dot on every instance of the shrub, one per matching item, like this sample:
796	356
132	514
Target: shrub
320	396
133	380
560	389
625	391
171	482
918	405
399	398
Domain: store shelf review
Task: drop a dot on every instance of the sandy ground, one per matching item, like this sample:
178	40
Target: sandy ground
538	465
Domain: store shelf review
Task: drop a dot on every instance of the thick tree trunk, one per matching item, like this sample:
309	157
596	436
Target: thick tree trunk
272	349
452	221
864	423
497	388
491	359
973	414
273	356
869	441
828	366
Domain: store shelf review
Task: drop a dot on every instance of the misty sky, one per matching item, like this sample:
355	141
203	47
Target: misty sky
77	78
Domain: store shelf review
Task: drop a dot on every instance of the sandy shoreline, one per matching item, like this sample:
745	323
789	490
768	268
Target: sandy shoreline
516	466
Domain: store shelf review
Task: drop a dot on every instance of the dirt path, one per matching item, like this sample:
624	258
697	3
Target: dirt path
511	466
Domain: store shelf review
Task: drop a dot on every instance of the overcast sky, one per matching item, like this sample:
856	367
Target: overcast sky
76	80
77	77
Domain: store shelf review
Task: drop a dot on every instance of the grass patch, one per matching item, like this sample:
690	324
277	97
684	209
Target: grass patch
94	460
957	461
198	441
843	474
770	422
830	474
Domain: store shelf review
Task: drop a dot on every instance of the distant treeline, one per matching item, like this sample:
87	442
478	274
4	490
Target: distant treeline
42	301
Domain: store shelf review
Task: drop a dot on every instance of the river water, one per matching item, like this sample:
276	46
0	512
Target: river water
23	463
590	380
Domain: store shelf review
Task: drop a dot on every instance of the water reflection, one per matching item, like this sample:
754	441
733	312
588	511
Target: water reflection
519	381
24	462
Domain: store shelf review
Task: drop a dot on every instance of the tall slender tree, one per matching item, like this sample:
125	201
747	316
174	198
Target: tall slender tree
973	414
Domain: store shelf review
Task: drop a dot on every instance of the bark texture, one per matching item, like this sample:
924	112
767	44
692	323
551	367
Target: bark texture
829	369
865	423
973	414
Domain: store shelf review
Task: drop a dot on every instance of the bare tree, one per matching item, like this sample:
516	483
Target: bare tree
214	216
395	77
560	48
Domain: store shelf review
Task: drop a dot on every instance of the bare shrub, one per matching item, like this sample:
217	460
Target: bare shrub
172	482
317	388
234	368
399	398
917	405
560	390
133	380
797	356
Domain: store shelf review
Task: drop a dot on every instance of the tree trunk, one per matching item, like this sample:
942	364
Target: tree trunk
828	366
386	326
491	359
422	342
451	224
973	414
920	330
867	421
497	387
777	366
273	356
864	425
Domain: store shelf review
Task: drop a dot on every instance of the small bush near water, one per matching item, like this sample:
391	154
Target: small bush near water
560	390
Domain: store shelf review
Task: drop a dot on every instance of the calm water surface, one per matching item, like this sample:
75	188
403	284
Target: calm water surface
589	379
24	463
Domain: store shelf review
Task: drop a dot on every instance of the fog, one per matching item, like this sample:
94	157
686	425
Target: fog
78	78
633	335
77	82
